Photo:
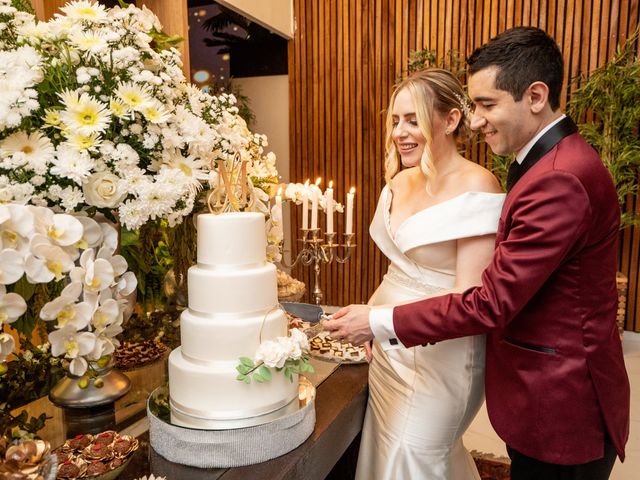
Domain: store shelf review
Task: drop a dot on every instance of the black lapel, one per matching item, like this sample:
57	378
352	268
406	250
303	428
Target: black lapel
550	139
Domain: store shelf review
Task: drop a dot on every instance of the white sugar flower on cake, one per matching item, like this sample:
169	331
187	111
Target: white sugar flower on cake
289	355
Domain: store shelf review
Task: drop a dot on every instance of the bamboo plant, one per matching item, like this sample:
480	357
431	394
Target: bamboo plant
610	101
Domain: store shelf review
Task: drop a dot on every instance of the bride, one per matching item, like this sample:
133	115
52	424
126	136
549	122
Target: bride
435	221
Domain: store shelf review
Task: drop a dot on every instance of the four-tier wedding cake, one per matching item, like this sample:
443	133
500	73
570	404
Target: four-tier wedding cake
233	307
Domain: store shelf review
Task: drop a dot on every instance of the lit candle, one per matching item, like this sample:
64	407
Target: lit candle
279	211
314	205
305	206
329	200
349	227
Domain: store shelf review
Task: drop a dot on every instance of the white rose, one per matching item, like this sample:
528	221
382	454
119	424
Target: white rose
300	338
272	354
101	190
293	348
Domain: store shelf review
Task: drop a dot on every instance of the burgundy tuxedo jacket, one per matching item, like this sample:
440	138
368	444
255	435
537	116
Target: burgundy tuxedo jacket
555	377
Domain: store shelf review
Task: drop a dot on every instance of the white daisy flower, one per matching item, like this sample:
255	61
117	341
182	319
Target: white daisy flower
88	41
87	116
134	96
84	10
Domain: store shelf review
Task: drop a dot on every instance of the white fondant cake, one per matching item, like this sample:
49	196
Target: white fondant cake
233	307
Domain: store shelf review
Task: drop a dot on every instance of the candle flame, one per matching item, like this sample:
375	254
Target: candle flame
280	192
318	180
353	190
306	184
331	184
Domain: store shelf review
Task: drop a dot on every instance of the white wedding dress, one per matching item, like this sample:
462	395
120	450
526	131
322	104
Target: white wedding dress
422	399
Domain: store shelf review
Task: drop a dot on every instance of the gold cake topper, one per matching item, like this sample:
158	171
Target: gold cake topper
230	195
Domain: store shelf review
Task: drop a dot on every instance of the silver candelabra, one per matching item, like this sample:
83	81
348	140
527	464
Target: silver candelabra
314	252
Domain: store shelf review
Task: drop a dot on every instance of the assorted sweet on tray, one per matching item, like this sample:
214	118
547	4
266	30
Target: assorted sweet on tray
323	346
130	355
88	456
28	460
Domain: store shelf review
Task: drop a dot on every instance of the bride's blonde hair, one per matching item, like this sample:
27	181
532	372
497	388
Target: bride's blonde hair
432	90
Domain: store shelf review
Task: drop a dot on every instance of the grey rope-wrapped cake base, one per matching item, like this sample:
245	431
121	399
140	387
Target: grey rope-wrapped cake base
228	448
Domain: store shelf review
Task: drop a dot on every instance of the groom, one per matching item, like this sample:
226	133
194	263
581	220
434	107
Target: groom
556	387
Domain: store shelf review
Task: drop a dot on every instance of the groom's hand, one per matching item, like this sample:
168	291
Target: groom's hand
350	324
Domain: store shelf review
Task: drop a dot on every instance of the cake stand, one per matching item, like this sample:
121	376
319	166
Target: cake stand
270	435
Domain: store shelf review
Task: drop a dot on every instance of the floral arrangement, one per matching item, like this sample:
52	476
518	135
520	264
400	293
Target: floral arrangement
97	116
289	355
39	247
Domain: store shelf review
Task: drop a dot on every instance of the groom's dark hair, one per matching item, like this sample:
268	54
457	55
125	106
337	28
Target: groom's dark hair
523	55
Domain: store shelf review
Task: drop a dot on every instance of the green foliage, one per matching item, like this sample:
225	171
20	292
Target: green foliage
609	99
500	166
147	254
30	375
248	370
23	6
421	59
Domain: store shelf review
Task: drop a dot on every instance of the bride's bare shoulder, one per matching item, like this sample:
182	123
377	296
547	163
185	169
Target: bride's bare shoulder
403	179
474	178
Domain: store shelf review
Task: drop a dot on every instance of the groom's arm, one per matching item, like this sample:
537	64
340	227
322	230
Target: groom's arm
549	220
549	217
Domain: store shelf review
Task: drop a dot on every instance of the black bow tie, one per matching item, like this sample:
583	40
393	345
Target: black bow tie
550	139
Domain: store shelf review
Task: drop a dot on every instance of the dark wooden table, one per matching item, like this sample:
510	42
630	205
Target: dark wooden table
340	407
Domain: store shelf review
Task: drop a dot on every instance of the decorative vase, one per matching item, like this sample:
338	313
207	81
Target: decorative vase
67	393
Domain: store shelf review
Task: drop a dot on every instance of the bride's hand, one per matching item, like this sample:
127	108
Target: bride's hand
368	348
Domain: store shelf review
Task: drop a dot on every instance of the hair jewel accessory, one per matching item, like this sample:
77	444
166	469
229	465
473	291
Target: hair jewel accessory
464	105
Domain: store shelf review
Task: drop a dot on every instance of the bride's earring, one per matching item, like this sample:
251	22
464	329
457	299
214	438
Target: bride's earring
447	132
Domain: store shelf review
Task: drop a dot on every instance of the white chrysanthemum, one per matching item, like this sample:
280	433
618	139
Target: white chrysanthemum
70	198
33	150
90	42
51	118
136	97
71	163
118	108
84	10
155	112
87	116
70	98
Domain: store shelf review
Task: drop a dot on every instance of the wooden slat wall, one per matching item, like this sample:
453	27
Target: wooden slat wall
343	62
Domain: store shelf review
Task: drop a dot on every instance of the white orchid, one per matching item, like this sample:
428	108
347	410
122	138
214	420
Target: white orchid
15	231
12	306
46	262
91	233
94	274
11	266
7	345
73	345
107	316
66	311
